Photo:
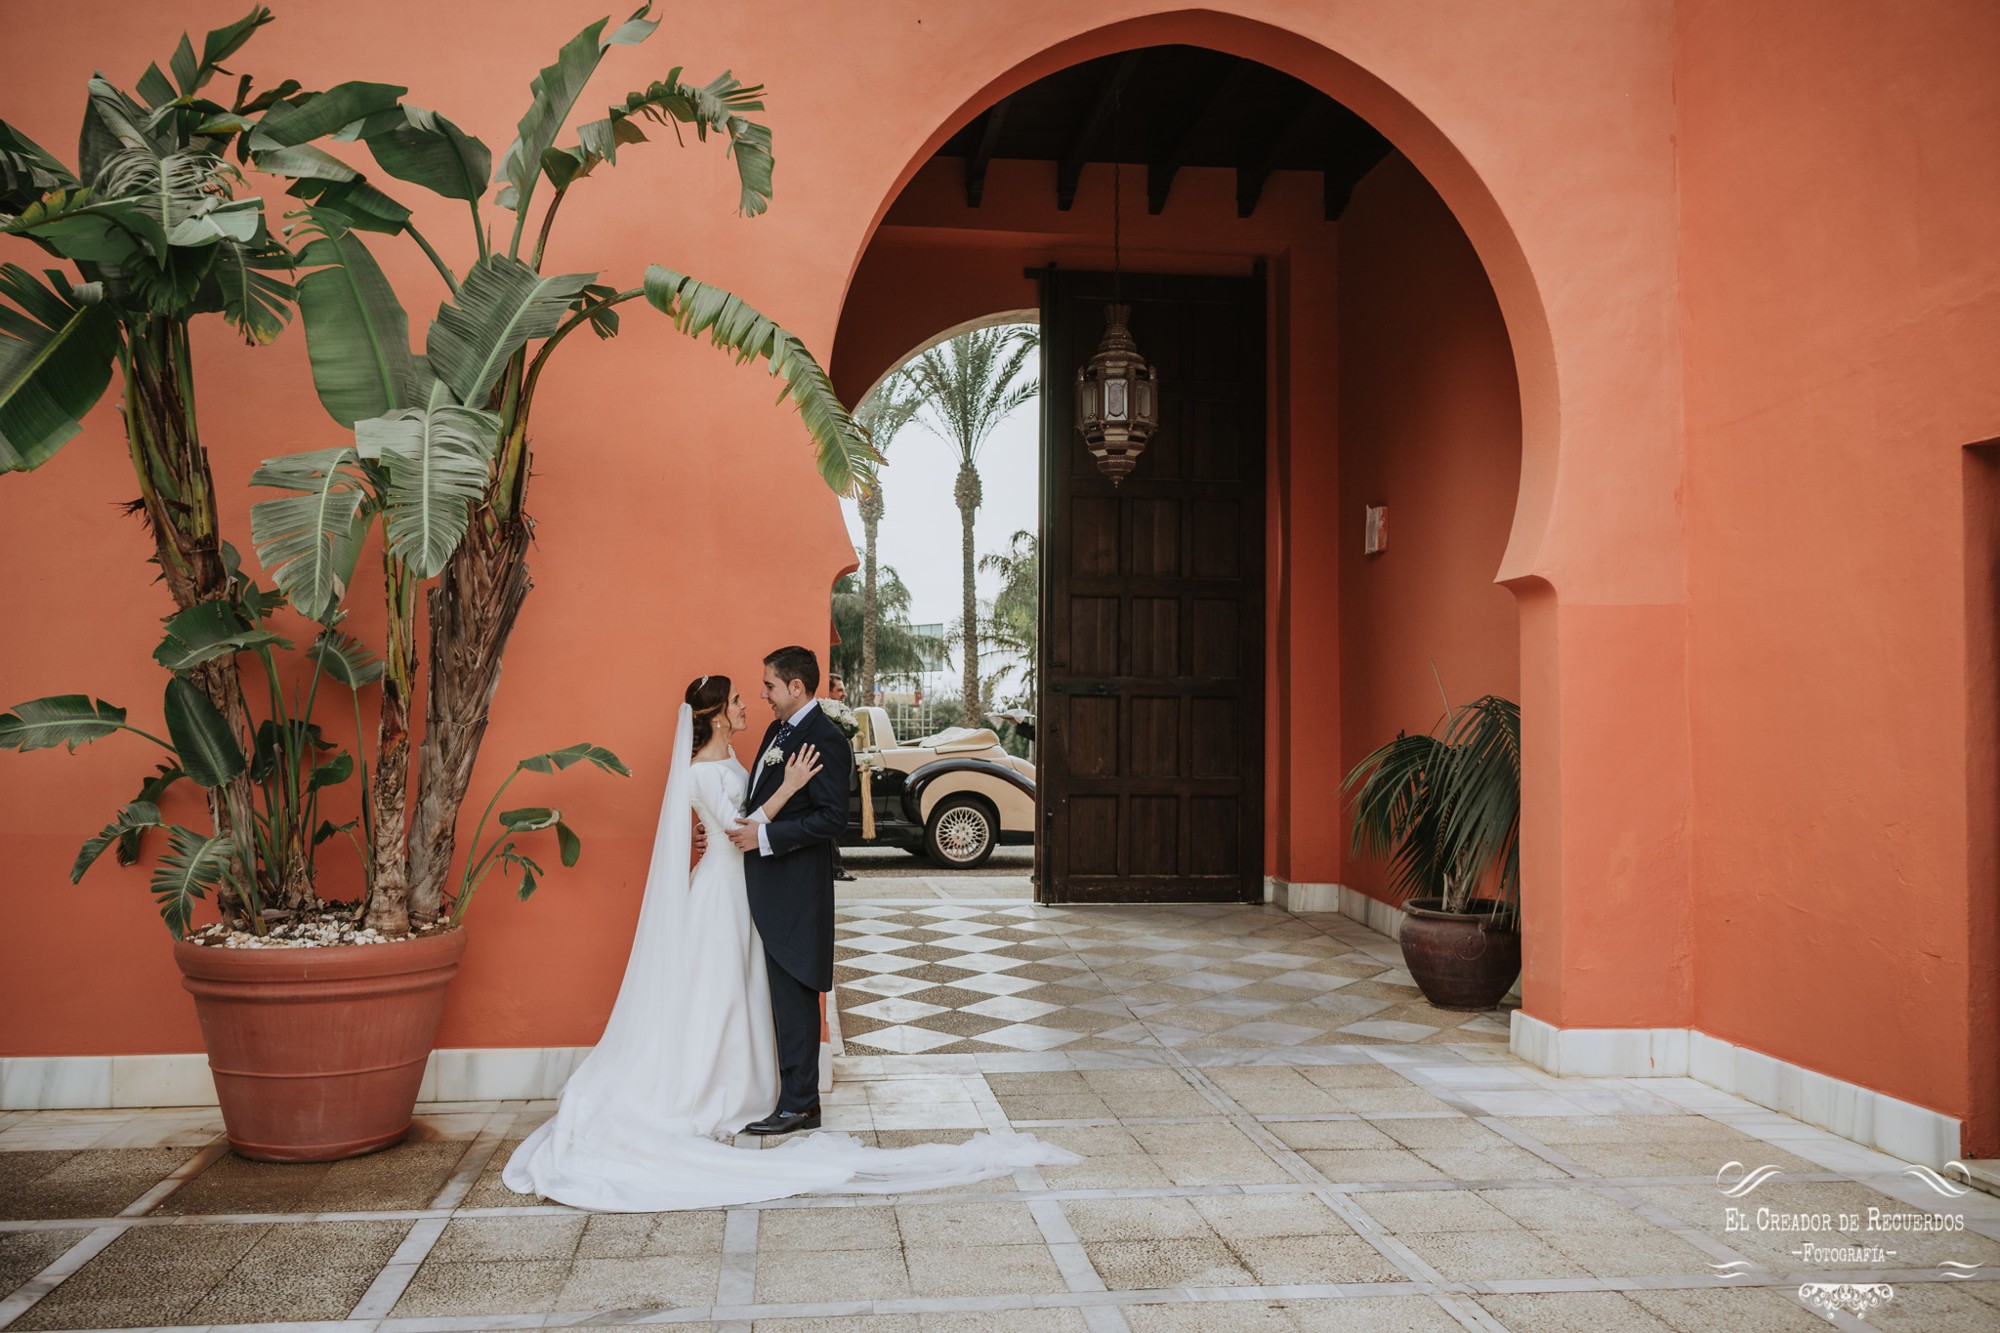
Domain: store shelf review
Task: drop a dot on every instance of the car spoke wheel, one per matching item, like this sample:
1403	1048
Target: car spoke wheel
961	833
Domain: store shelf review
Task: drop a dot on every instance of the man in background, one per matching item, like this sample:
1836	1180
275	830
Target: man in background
836	689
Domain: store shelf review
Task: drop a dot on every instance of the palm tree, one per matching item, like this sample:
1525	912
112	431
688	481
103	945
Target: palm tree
900	650
1015	615
882	413
967	385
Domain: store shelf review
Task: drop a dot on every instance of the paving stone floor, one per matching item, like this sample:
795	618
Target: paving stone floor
1257	1155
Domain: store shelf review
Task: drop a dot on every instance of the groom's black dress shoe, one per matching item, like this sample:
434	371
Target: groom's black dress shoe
784	1122
842	873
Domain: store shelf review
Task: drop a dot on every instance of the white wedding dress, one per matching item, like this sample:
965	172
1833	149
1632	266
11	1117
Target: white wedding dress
688	1056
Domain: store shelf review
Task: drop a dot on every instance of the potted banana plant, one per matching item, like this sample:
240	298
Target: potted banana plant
319	1004
1445	810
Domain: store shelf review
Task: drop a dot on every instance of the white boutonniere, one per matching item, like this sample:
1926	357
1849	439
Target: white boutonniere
773	757
841	716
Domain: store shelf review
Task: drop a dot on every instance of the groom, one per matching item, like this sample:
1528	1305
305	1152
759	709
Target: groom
788	869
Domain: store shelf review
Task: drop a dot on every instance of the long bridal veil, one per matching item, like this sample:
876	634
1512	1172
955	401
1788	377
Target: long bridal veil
623	1138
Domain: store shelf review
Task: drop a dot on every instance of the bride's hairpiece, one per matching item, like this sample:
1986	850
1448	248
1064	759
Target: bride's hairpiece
703	681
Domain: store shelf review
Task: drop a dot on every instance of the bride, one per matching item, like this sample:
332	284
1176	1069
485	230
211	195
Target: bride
689	1053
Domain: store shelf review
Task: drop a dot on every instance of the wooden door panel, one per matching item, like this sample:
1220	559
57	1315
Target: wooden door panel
1093	737
1156	638
1155	835
1151	756
1217	439
1156	738
1212	737
1215	540
1156	539
1092	835
1094	537
1217	825
1094	635
1217	639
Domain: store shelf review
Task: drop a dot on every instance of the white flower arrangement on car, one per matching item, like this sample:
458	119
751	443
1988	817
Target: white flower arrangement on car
841	716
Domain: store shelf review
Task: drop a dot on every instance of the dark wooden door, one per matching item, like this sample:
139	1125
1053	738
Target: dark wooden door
1150	758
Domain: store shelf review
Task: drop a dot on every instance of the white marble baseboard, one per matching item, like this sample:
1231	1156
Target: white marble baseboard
1912	1133
103	1082
1383	918
94	1082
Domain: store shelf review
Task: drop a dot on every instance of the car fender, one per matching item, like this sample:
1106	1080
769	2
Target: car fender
1008	792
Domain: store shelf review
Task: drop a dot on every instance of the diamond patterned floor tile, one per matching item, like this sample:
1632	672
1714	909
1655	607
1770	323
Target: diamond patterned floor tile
1209	981
891	984
903	1039
883	962
1269	1034
1390	1030
998	983
1014	1008
897	1010
930	980
987	962
1029	1037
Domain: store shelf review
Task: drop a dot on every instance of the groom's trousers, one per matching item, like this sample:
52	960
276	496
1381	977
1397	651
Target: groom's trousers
795	1013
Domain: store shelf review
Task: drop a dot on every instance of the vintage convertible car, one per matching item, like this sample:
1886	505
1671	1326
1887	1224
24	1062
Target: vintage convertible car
954	796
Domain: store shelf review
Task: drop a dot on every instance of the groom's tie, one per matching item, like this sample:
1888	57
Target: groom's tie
785	730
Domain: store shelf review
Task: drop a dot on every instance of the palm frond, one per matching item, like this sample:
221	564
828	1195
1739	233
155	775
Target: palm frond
56	354
500	307
1482	788
846	458
437	459
1395	816
255	302
357	334
193	865
969	383
718	105
310	543
1446	810
554	92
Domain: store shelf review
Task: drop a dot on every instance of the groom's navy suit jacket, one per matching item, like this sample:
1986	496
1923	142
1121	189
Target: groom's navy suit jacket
791	890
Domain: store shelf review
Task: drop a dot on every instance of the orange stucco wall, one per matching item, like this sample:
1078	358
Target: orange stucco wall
1841	297
1430	426
1743	258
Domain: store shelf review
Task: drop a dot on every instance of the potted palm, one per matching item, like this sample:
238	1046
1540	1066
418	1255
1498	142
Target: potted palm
319	1007
1445	810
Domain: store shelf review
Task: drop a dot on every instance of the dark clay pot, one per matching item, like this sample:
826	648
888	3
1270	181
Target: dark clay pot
1456	958
318	1053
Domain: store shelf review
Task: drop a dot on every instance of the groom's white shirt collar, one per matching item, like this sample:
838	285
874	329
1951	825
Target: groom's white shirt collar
797	717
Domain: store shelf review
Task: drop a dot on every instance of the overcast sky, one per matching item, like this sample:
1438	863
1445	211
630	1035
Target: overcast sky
920	522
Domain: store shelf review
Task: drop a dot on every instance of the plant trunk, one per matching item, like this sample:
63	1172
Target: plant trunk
177	496
472	613
389	883
871	520
968	496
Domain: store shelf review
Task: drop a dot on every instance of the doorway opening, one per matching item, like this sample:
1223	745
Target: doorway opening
1217	645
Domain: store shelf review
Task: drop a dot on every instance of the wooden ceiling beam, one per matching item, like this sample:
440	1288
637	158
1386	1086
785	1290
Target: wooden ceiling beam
982	152
1160	171
1260	153
1069	170
1345	167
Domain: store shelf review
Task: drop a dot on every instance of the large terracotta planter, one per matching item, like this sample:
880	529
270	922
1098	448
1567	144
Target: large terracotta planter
1457	959
318	1053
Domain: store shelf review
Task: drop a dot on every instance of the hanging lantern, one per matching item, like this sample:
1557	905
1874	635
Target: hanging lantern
1117	403
1117	390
